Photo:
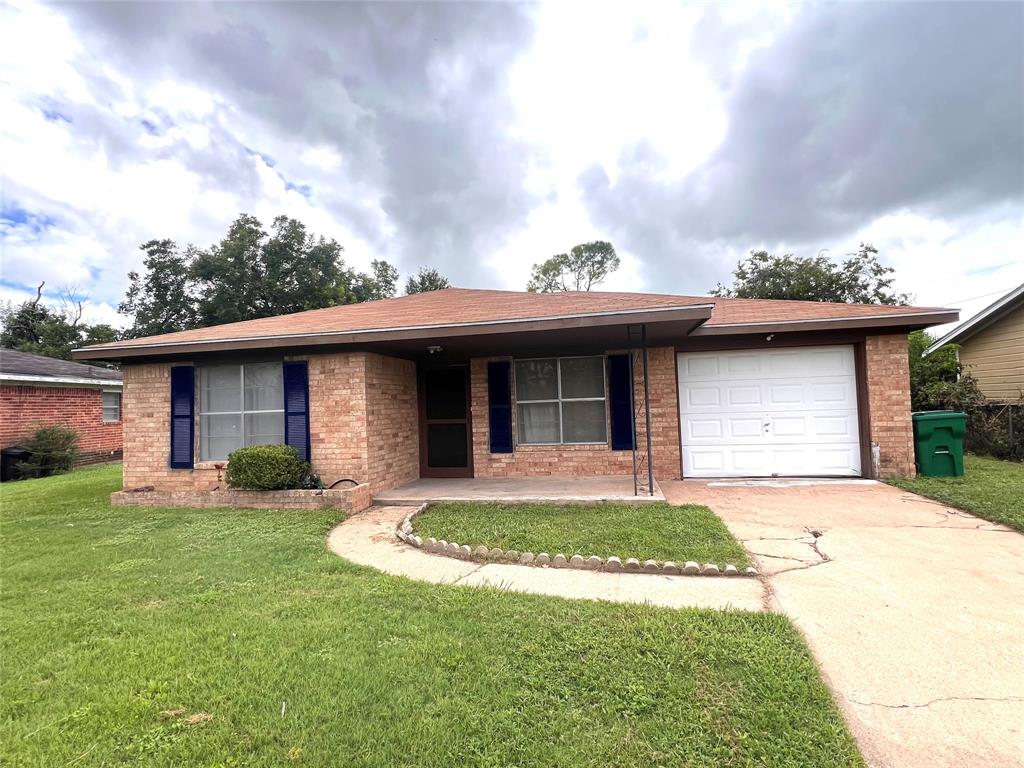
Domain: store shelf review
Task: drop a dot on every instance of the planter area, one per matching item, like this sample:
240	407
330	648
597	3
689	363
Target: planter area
350	500
611	564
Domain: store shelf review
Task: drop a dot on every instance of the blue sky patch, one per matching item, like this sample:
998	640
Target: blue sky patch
14	216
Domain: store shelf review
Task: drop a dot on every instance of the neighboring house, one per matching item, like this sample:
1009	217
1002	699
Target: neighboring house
991	347
479	383
37	391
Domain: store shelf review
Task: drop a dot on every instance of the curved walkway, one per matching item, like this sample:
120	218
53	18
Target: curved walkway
368	538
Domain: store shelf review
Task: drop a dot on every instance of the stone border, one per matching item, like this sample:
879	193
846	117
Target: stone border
611	564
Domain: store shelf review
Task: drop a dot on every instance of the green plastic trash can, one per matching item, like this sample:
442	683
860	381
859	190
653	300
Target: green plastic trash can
939	443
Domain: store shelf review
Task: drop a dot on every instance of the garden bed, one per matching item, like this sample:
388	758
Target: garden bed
659	532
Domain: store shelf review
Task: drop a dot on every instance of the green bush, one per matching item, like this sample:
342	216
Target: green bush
53	452
267	468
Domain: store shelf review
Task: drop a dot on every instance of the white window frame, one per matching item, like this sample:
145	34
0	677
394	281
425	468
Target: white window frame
241	413
558	380
103	408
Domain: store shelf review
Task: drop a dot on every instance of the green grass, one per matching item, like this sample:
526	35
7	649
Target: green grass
111	616
990	488
645	531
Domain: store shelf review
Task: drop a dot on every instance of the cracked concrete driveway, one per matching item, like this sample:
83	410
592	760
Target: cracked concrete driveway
915	612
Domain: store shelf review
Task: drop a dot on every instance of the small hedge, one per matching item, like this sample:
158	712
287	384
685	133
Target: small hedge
269	468
52	451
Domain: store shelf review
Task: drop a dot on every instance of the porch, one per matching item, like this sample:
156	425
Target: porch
519	489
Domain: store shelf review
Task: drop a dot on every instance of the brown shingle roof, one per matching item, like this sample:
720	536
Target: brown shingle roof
453	306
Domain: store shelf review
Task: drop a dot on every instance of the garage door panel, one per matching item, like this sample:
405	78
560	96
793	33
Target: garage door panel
761	413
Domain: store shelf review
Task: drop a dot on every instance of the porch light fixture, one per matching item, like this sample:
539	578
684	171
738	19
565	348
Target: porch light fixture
434	349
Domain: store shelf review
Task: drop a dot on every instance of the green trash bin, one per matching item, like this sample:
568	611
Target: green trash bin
939	443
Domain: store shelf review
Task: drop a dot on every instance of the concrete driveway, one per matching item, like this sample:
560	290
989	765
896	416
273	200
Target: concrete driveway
914	611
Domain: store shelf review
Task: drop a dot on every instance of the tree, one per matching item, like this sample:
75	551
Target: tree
51	331
382	283
161	301
250	273
426	280
585	266
861	279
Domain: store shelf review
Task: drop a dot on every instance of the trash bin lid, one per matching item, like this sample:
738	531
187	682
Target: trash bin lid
931	415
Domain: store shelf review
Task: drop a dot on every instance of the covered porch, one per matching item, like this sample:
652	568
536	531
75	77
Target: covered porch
618	488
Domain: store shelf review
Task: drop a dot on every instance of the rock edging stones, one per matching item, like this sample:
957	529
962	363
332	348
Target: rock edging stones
611	564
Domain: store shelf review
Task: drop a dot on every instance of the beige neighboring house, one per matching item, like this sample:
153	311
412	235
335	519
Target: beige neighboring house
991	347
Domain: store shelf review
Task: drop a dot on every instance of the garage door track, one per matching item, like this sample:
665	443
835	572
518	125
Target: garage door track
914	611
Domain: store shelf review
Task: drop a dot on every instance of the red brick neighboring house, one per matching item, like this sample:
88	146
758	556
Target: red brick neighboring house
479	383
37	391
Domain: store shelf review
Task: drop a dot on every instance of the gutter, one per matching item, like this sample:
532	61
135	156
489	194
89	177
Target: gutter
897	320
59	381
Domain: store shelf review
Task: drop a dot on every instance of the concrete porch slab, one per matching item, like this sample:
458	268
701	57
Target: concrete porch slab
564	489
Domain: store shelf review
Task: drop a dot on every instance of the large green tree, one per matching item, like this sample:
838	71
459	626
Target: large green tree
160	300
860	279
426	280
583	267
51	331
248	274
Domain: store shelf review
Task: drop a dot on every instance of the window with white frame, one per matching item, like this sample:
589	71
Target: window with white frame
239	405
561	400
111	406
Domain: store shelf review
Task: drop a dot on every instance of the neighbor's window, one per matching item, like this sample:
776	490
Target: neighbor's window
111	406
561	400
239	405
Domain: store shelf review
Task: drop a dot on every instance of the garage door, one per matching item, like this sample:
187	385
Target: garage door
753	413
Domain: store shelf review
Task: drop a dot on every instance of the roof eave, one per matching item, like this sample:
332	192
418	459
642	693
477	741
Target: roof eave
58	381
693	312
982	320
900	321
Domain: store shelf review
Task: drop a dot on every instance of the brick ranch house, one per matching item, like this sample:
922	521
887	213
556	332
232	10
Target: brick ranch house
37	391
480	383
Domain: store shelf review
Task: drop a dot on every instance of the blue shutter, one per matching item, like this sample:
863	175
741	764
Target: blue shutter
620	401
183	388
296	407
499	405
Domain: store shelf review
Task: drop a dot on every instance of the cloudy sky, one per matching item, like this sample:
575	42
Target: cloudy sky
481	138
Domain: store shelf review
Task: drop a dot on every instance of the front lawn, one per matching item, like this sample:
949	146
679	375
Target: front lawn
170	637
990	488
644	531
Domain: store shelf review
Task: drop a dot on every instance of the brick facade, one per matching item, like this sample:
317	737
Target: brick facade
584	459
350	499
363	424
888	387
23	409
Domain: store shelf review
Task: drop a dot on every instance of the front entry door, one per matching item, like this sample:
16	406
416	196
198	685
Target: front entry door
445	434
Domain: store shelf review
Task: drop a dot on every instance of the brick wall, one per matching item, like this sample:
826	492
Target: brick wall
584	459
23	409
888	385
350	499
392	422
363	424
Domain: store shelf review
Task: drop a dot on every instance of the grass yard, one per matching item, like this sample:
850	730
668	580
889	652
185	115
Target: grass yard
645	531
169	637
990	488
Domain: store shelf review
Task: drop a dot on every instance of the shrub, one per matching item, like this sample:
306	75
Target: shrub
266	468
53	452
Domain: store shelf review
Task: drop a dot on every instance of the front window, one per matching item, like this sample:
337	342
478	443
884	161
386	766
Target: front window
561	400
111	406
239	405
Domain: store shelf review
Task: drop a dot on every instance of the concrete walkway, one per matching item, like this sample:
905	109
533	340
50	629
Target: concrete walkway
518	489
915	612
368	538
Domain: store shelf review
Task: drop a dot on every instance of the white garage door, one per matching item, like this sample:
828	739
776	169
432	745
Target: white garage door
752	413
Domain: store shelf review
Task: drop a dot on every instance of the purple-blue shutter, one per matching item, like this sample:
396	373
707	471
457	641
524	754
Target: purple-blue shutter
499	405
183	389
296	406
620	401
